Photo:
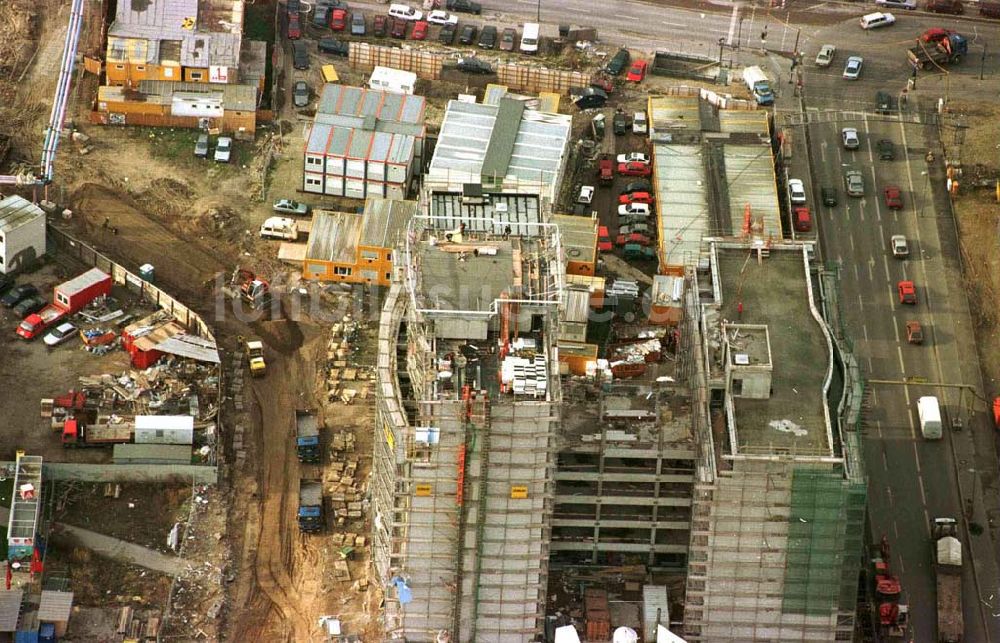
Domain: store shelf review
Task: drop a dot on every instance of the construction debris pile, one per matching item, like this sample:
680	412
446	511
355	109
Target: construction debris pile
344	382
174	386
138	625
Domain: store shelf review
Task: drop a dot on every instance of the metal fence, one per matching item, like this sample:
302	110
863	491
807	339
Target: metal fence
425	64
540	79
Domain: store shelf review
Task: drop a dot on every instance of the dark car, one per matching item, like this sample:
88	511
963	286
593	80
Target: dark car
468	35
294	26
321	16
619	124
398	29
447	34
293	6
300	94
30	306
885	103
886	150
300	55
618	62
6	283
488	37
508	39
829	195
640	185
18	294
358	26
334	46
379	29
464	6
474	66
590	97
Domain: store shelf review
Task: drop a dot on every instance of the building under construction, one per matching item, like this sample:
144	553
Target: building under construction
468	406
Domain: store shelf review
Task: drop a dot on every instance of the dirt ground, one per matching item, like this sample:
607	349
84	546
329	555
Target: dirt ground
142	513
100	582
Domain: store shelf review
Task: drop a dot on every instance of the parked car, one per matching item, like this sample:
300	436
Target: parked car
223	149
464	6
447	34
61	333
288	206
855	183
405	12
801	219
467	35
586	195
633	157
300	93
604	239
825	56
488	37
637	72
398	29
619	124
634	237
300	55
900	247
634	228
907	293
634	169
18	294
618	62
636	197
321	16
850	137
419	30
639	124
606	170
338	20
589	97
508	39
201	146
358	26
379	28
293	6
829	195
885	103
6	283
886	150
438	17
879	19
473	65
334	46
852	70
294	26
634	208
914	332
797	191
893	197
953	7
30	306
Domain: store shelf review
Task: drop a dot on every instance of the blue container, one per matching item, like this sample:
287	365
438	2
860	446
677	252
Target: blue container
147	272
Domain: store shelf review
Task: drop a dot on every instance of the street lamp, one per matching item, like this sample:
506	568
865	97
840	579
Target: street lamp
739	33
538	14
721	43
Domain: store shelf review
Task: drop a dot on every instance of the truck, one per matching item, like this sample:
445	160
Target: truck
307	436
83	431
948	569
758	85
311	517
68	297
929	412
947	50
255	358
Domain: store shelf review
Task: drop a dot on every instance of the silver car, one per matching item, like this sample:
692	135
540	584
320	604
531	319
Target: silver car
855	183
201	146
223	149
852	70
825	55
851	139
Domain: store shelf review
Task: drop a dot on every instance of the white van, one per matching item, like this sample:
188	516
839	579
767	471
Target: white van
405	12
930	417
529	38
876	20
392	80
279	228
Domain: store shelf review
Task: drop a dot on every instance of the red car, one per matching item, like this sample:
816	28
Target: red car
634	169
802	219
893	198
398	28
294	27
338	19
419	30
636	197
380	28
603	240
634	237
605	170
637	72
907	292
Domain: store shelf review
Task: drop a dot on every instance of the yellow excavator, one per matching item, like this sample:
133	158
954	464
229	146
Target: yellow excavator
255	357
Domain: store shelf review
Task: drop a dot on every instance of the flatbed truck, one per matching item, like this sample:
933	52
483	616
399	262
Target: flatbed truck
948	570
311	518
925	55
307	436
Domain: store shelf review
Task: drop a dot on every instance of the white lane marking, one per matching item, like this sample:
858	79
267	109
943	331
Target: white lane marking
673	24
871	271
916	456
864	331
923	494
899	353
885	264
895	328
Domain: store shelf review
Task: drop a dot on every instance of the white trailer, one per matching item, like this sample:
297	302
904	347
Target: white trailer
929	412
392	80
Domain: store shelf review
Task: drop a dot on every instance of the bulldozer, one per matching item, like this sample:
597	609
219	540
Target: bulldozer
255	357
249	287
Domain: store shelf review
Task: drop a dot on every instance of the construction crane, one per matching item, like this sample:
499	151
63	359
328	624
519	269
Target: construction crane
59	103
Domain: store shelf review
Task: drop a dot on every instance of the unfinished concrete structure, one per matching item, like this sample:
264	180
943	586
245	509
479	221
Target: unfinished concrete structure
778	517
468	402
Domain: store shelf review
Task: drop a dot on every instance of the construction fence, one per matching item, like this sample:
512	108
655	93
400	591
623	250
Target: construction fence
425	64
535	79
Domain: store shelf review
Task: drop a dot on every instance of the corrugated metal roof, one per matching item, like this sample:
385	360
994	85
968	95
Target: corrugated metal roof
466	152
361	143
756	185
681	201
10	608
334	237
55	607
366	124
519	211
241	98
401	151
579	237
749	121
318	141
16	211
577	302
674	112
385	220
345	100
213	40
